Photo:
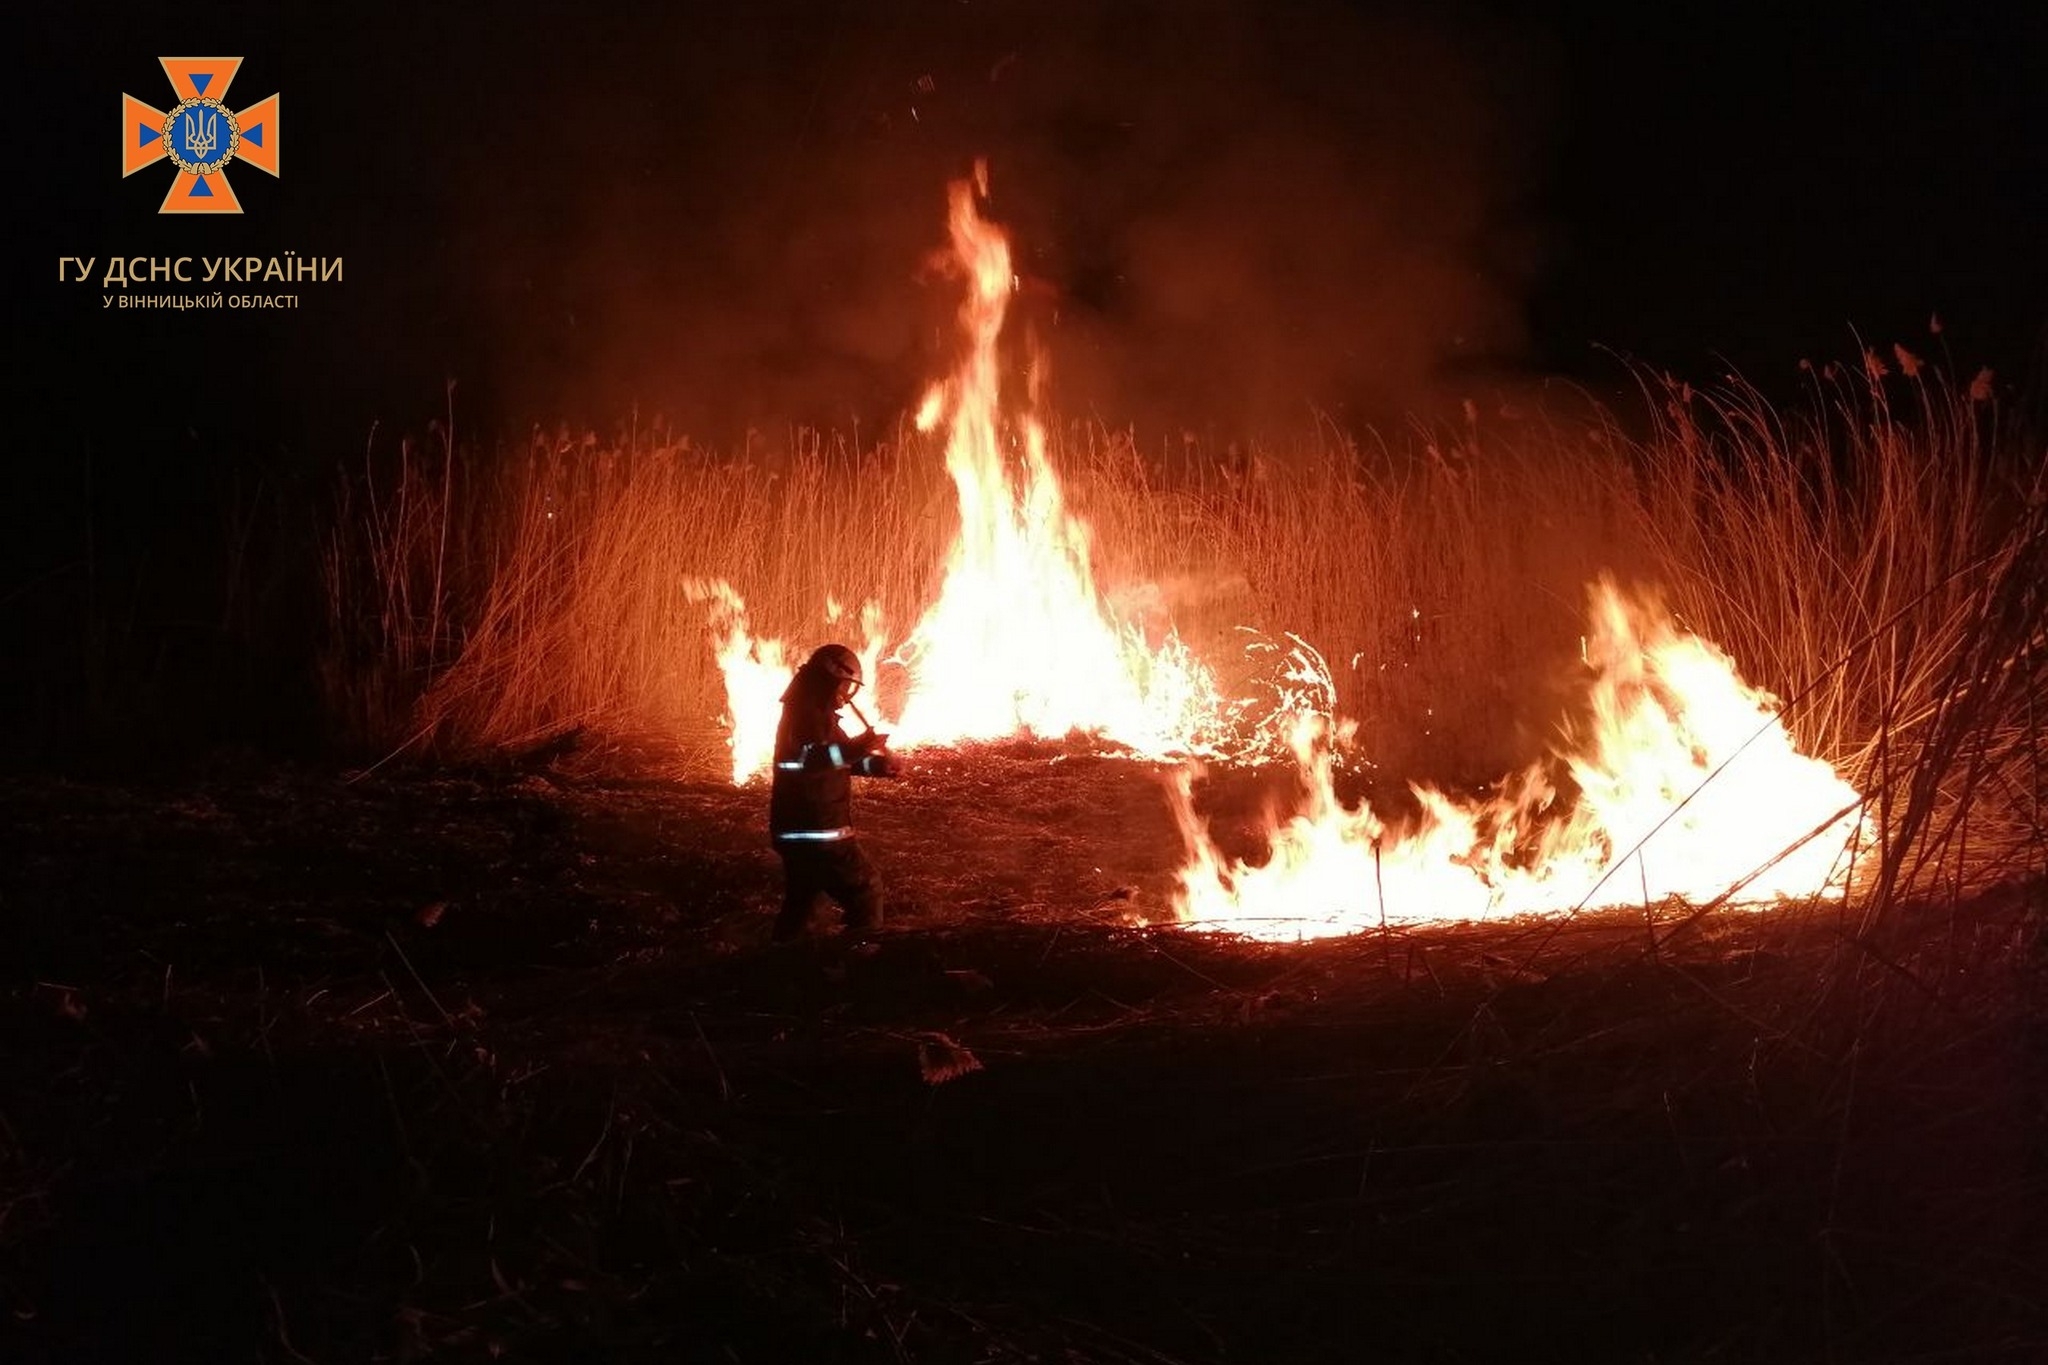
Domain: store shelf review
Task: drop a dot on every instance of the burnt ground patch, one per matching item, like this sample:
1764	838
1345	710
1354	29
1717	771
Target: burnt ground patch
474	1065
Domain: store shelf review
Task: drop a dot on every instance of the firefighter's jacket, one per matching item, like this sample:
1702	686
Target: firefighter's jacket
810	800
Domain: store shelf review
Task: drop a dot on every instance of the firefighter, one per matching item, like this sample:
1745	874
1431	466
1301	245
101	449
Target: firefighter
810	804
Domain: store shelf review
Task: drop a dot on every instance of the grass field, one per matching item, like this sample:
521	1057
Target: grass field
474	1064
478	1051
1873	556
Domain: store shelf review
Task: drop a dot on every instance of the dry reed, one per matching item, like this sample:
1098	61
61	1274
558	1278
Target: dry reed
1865	554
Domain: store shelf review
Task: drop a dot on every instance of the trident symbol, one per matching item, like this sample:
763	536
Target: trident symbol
200	132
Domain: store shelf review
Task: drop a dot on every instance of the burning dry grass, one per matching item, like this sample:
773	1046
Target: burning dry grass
1874	556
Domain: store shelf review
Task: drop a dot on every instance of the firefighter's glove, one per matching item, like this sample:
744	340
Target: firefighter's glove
881	764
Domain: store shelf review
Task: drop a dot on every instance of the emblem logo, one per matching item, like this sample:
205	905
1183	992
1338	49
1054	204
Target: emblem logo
200	135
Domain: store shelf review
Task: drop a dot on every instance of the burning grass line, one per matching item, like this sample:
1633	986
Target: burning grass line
1635	850
1699	914
1776	719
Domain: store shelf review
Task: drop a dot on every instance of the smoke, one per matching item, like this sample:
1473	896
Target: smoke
1227	219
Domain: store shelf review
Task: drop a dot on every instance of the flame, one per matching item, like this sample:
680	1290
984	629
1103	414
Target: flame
1688	785
1682	782
1020	641
757	670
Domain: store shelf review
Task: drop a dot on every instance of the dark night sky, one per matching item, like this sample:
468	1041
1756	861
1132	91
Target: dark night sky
1231	213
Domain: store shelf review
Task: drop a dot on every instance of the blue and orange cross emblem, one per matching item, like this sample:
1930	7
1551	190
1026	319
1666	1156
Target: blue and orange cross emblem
200	134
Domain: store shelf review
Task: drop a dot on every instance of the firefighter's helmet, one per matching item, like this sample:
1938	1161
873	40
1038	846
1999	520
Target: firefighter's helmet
836	662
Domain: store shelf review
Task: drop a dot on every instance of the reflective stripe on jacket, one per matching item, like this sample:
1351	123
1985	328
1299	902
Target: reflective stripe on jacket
811	794
814	836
